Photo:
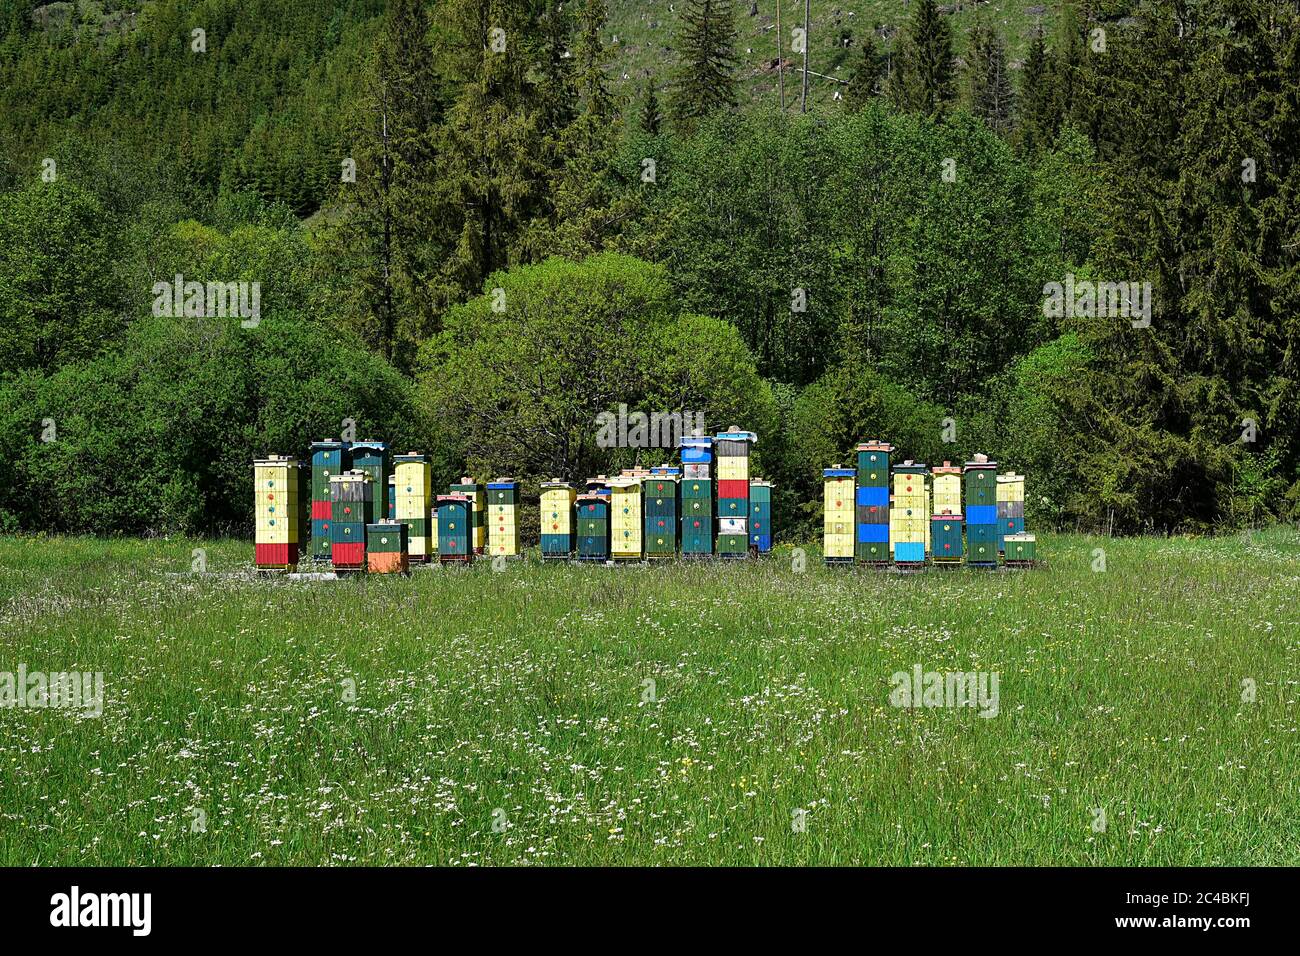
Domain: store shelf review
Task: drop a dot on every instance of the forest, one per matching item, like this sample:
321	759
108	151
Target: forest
476	225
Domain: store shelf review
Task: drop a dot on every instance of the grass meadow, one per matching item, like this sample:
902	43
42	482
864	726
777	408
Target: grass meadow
470	717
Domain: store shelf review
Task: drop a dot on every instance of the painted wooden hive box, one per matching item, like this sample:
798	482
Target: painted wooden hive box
277	538
386	547
413	483
351	509
659	504
328	458
731	454
697	516
760	515
909	515
474	491
556	519
625	518
979	479
871	502
503	517
455	528
593	526
838	514
1010	505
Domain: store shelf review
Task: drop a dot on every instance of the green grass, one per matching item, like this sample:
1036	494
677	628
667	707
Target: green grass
519	695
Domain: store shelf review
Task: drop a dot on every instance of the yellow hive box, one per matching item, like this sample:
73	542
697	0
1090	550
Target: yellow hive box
733	468
625	517
839	496
275	500
838	545
947	494
557	510
1011	487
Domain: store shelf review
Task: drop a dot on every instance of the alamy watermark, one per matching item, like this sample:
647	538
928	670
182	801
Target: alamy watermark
75	690
209	300
624	429
1091	300
922	688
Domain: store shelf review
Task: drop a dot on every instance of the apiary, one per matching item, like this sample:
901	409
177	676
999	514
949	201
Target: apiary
474	491
760	515
413	490
979	480
277	540
1021	550
625	518
502	516
1010	505
697	516
386	547
871	502
909	515
659	504
556	517
838	514
351	509
455	528
593	526
328	458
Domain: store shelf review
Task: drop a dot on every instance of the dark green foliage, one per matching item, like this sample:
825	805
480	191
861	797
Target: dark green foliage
988	80
923	80
705	81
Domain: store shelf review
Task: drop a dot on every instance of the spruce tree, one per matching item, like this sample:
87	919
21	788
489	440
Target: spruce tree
705	82
988	81
651	117
922	81
1038	118
493	164
865	80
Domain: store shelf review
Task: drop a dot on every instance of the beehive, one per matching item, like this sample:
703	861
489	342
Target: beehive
277	539
503	517
556	516
455	528
593	526
413	484
1022	550
328	458
946	485
697	456
909	515
659	490
1010	505
837	515
386	547
697	516
351	509
760	515
872	502
374	458
732	449
474	491
625	518
981	511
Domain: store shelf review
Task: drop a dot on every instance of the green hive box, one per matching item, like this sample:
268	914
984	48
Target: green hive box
659	508
455	528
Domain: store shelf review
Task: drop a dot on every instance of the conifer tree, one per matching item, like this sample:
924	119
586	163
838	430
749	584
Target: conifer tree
1038	118
705	82
651	117
922	81
492	158
988	81
866	78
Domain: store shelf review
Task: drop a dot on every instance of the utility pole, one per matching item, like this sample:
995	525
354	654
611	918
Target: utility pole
803	104
780	66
